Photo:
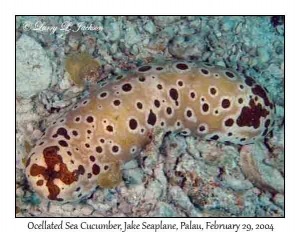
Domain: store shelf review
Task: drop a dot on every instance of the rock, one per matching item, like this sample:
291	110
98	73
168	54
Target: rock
263	55
87	210
68	207
112	30
236	184
164	210
133	176
150	27
33	68
279	200
181	199
165	20
187	46
263	176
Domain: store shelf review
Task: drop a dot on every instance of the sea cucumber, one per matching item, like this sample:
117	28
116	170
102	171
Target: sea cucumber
86	147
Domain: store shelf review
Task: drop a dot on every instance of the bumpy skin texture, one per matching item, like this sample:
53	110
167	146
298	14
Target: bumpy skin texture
86	147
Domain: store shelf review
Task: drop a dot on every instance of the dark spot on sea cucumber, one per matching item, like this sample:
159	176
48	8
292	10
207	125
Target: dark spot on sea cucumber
192	95
159	68
182	66
77	119
144	68
139	105
127	87
213	91
133	124
180	83
92	158
229	74
267	123
240	100
189	113
159	86
75	133
117	102
243	139
169	110
157	103
89	175
28	161
81	169
41	143
69	153
241	86
205	107
103	94
250	115
115	149
142	79
77	189
110	128
99	149
95	169
151	118
205	71
63	132
89	131
52	159
87	145
63	143
258	90
215	137
225	103
202	128
184	133
229	122
102	140
249	81
89	119
173	94
265	132
229	134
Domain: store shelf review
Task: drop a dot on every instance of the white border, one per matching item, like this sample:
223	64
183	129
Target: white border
290	8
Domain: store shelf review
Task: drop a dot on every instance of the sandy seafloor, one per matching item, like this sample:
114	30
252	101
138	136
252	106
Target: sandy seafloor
181	176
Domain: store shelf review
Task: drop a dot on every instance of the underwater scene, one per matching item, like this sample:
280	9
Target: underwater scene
150	116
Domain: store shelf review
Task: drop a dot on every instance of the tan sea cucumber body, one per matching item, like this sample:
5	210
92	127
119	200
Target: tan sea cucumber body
86	147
